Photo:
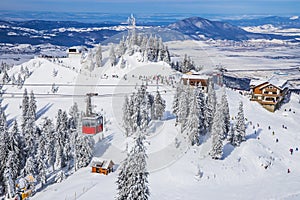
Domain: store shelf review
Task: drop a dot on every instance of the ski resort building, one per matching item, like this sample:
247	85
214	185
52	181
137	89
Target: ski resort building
196	80
76	51
269	95
102	167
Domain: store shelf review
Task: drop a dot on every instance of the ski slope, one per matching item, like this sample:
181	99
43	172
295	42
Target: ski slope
181	172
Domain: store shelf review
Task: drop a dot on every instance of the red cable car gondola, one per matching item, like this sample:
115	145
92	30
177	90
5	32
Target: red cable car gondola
91	123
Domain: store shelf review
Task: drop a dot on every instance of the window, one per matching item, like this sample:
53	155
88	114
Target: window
72	50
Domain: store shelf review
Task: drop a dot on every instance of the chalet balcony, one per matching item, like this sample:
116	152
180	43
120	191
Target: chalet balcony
270	90
272	95
263	102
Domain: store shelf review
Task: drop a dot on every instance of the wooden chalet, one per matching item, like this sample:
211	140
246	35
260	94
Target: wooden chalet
196	80
268	95
102	167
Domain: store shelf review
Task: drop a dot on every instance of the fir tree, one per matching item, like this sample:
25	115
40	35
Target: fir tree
201	109
224	103
210	106
127	113
84	151
112	55
231	135
50	135
217	133
9	182
98	56
133	177
4	145
240	132
176	101
122	181
25	109
182	111
16	151
30	166
160	106
192	123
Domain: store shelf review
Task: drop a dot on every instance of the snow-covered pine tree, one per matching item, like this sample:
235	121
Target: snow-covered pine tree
32	107
98	56
185	64
12	164
144	108
74	117
25	109
84	150
9	183
16	149
50	134
66	139
231	135
139	188
210	105
144	116
127	116
133	177
240	130
13	79
192	124
217	133
122	181
59	157
225	106
177	96
4	145
5	77
30	129
30	166
112	55
121	48
201	108
26	72
62	149
166	57
160	106
183	106
151	105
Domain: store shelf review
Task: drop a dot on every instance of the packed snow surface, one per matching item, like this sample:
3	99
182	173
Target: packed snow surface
255	170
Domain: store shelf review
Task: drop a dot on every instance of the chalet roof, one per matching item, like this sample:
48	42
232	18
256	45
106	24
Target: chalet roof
105	164
266	85
274	80
195	76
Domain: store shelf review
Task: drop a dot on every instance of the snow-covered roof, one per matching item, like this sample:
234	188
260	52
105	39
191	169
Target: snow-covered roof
105	164
195	76
274	80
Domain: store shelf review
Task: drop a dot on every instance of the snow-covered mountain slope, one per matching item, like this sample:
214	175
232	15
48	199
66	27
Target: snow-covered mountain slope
182	172
241	174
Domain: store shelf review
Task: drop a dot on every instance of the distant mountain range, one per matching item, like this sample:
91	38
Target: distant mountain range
69	33
200	28
283	22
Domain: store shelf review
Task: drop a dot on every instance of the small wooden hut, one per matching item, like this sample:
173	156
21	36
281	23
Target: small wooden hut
102	167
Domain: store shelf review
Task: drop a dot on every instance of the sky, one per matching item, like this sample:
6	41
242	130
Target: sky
234	7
